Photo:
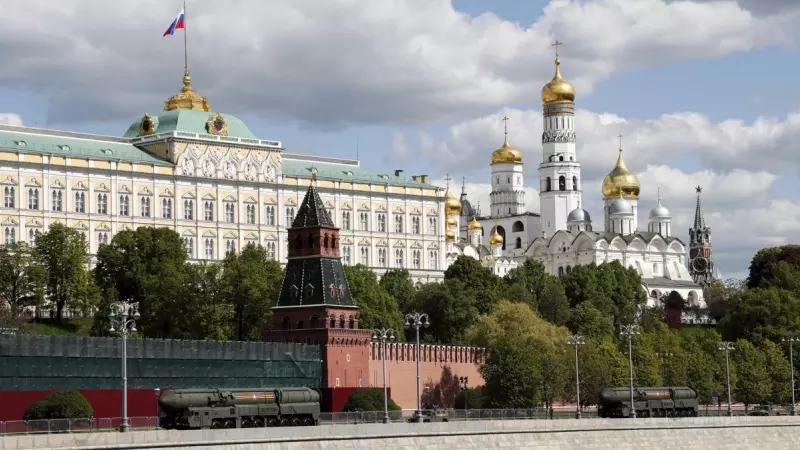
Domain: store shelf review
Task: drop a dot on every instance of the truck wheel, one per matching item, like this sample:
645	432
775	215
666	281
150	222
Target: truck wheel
284	422
258	423
272	422
216	424
307	421
230	424
246	424
444	420
296	422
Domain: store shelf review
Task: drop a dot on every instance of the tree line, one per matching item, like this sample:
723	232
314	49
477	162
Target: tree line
524	318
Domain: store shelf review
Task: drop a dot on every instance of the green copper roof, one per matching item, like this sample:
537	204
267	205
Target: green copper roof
190	121
77	145
346	172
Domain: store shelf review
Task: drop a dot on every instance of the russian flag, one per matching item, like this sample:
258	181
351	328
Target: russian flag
177	23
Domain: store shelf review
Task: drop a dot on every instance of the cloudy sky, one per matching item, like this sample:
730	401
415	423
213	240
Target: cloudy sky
705	91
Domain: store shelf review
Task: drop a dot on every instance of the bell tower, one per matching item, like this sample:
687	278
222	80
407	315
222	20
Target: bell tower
315	305
701	262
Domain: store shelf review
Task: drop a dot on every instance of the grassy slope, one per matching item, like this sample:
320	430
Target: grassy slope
73	327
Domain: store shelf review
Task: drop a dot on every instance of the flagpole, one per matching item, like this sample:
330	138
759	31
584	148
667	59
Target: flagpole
185	32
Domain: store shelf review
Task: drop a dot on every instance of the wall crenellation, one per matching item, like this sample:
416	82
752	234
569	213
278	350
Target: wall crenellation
448	354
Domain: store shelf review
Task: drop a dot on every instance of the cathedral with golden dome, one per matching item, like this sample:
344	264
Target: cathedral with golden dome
562	234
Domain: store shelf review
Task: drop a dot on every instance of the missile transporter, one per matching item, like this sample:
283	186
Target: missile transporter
648	402
185	409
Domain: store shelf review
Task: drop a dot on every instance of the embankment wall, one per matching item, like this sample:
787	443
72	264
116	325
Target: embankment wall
723	433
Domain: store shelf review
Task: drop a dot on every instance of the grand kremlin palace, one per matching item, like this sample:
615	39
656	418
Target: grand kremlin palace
205	175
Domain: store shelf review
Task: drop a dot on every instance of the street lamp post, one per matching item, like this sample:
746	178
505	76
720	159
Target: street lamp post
576	341
791	340
123	318
463	383
661	357
418	320
726	347
630	331
382	335
157	391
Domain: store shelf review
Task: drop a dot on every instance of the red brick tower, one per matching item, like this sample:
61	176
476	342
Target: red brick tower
315	304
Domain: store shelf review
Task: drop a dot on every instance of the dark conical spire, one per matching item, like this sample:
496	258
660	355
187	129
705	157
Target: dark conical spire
699	220
312	212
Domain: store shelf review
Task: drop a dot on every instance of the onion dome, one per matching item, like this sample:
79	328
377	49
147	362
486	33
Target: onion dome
495	238
620	182
451	222
620	206
450	235
579	215
558	90
187	98
451	204
659	212
506	154
474	225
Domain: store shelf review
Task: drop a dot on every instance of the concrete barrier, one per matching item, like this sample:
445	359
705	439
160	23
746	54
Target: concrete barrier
728	433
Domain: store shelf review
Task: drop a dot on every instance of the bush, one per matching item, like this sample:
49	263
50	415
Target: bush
60	405
368	400
473	396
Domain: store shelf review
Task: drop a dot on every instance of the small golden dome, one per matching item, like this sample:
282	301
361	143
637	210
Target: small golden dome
558	90
187	98
620	182
495	238
451	222
450	235
506	154
474	225
451	204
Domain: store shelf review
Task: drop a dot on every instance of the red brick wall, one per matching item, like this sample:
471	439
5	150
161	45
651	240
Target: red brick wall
401	368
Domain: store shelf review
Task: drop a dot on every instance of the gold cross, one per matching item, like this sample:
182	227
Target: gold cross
447	179
505	125
620	141
556	44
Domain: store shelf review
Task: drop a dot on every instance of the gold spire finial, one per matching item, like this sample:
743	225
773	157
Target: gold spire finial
447	180
620	141
556	44
505	126
506	153
187	98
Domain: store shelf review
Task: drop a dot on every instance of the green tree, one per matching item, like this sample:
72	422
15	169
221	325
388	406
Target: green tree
512	373
472	398
483	286
601	366
762	313
62	252
147	266
450	309
60	405
22	278
778	372
368	399
765	260
397	282
705	363
443	392
543	291
378	308
251	283
720	296
208	314
753	385
588	321
614	290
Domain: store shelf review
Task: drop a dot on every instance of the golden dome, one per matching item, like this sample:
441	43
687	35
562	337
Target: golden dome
506	154
450	235
495	238
451	222
187	98
620	182
474	225
451	204
558	90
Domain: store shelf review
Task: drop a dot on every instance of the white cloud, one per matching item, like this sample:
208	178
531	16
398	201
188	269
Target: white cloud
349	61
10	119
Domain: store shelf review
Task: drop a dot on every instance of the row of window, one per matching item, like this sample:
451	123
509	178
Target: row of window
209	208
562	183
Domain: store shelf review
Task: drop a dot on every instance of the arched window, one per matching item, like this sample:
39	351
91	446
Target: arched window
299	324
519	243
351	323
562	183
574	183
548	185
569	269
518	227
310	241
560	271
561	158
502	232
285	323
314	322
333	322
341	321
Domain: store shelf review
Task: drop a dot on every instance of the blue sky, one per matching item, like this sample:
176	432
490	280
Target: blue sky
421	85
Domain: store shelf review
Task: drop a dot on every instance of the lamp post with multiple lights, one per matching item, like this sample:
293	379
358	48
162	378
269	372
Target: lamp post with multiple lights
383	335
123	318
630	331
416	321
576	341
726	347
791	340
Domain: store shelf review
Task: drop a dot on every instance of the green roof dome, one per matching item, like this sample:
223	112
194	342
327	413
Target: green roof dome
190	121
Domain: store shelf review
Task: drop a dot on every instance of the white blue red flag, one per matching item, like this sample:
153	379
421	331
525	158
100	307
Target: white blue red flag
176	24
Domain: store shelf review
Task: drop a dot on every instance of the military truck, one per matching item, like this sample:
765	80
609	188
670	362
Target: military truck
429	415
187	409
769	410
648	402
